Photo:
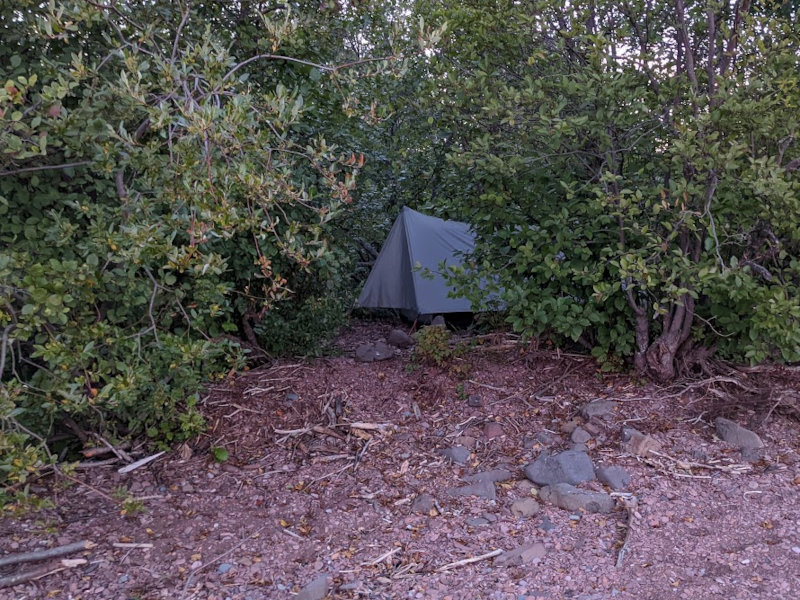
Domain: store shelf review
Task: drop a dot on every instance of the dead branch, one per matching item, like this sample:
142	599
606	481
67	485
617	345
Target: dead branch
26	557
469	561
139	463
40	572
632	507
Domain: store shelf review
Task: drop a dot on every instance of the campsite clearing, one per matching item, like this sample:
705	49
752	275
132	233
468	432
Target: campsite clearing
334	482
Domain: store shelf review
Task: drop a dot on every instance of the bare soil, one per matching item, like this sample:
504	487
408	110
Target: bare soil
307	491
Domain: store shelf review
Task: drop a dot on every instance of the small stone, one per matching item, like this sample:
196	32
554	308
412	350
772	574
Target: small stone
423	504
374	352
521	556
546	524
600	409
123	579
317	589
616	478
569	497
292	397
438	321
224	568
637	443
580	435
566	467
466	441
457	454
524	507
482	489
736	435
476	521
492	430
474	401
493	476
490	517
400	339
796	549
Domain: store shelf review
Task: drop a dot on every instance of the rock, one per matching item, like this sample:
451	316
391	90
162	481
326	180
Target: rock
438	321
616	478
599	409
224	568
578	447
492	430
423	504
545	438
521	556
569	497
457	454
317	589
474	401
637	443
482	489
374	352
493	476
400	339
292	397
546	524
524	507
580	435
476	521
466	440
566	467
736	435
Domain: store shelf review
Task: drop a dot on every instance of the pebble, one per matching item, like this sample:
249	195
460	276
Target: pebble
224	568
796	549
457	454
524	507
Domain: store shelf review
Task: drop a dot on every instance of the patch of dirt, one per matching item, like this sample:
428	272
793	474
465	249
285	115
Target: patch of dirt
326	458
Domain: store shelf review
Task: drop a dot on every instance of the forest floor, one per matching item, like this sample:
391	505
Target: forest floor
334	486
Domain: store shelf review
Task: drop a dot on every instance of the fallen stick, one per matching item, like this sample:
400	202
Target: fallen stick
381	558
366	426
139	463
131	545
468	561
91	464
40	572
26	557
631	505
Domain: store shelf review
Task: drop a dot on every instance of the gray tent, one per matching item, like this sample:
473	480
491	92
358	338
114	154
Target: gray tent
417	243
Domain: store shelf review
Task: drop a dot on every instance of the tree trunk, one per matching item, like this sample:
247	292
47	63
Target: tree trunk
661	355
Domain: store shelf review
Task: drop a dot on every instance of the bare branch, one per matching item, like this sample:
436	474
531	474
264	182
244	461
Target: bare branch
81	163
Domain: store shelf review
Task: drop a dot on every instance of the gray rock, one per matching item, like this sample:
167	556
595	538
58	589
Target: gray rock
374	352
400	339
476	521
524	507
545	438
637	443
493	476
317	589
457	454
224	568
566	467
438	321
580	435
569	497
616	478
423	504
736	435
599	409
521	556
546	524
578	447
466	440
482	489
292	397
492	430
474	401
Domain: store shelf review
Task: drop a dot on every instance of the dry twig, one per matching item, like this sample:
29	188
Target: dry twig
26	557
469	561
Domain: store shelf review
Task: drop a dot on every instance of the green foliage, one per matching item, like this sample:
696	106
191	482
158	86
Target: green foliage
220	455
433	346
634	190
168	183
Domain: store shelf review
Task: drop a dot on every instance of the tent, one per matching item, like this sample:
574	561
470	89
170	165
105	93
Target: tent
414	250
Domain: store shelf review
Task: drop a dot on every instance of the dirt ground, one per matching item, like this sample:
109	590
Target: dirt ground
327	461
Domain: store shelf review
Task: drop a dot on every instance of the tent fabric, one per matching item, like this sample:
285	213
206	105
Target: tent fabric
418	243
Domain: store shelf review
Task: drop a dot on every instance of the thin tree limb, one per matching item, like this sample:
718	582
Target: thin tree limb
37	555
81	163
